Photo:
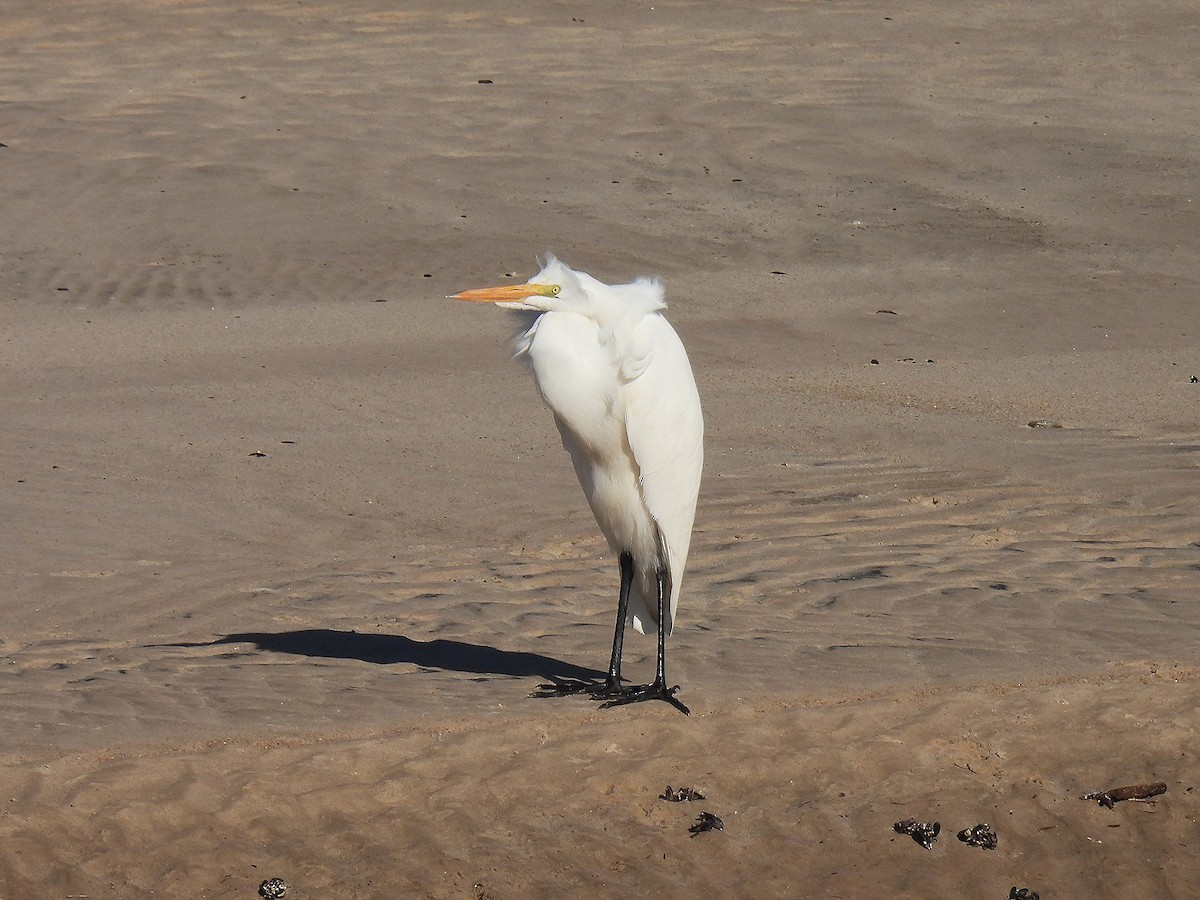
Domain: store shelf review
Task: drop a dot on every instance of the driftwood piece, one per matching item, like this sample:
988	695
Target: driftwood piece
1129	792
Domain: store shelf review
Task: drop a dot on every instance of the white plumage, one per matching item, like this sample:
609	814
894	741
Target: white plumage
618	381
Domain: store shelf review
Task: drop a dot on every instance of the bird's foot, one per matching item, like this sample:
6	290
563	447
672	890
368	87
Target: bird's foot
658	690
568	687
610	689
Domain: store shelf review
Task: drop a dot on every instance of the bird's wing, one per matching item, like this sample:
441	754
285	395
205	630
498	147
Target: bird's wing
665	430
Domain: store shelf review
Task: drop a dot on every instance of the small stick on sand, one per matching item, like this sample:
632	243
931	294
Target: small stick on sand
1130	792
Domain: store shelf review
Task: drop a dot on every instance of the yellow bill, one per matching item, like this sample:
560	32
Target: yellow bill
507	293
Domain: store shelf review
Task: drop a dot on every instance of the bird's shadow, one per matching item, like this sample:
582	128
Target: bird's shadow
390	649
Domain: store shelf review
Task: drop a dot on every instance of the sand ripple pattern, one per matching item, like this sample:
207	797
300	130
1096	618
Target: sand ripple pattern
845	575
438	808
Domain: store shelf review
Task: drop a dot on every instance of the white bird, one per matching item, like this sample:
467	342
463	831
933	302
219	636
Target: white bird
615	374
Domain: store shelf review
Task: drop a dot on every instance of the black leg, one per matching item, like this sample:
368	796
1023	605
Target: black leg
658	690
612	691
612	684
563	687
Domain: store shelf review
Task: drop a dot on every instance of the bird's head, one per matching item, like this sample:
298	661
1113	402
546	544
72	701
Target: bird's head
555	287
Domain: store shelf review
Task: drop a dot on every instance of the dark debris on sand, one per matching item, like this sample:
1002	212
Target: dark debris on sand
980	835
706	821
924	833
679	796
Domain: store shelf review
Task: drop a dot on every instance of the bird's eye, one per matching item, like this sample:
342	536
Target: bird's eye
554	289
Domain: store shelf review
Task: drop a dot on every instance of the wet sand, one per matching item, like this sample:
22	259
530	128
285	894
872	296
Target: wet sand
283	561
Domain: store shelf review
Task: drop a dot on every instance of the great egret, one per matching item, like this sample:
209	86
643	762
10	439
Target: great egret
615	374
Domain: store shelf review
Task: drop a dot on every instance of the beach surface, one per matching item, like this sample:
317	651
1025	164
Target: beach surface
288	541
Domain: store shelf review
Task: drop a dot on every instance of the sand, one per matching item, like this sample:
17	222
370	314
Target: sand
287	541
